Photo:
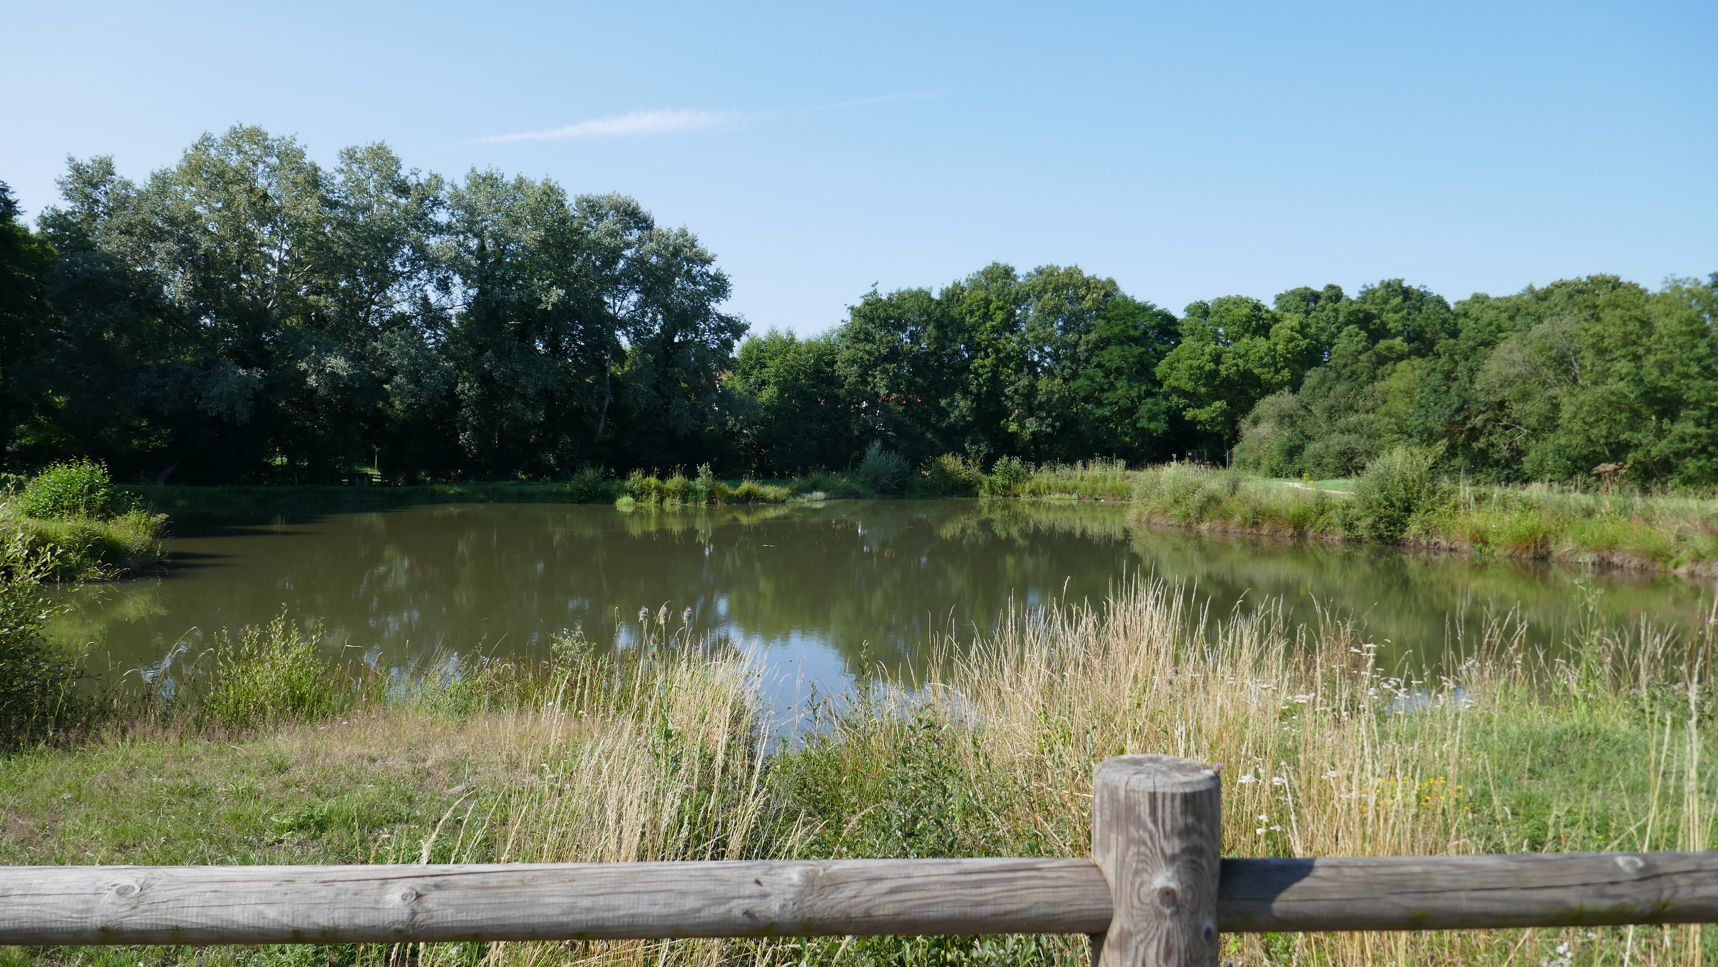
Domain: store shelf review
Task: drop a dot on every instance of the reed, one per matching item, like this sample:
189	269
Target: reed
1324	752
662	753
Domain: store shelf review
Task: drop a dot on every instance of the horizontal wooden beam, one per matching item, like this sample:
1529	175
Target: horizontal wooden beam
55	905
1464	892
592	901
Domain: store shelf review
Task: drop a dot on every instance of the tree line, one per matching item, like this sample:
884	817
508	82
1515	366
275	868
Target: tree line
248	315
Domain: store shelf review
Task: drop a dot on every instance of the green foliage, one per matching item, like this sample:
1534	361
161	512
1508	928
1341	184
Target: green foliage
950	475
823	484
1102	479
884	471
902	790
75	488
88	547
591	485
1007	475
1234	351
679	490
38	684
249	315
269	674
1398	490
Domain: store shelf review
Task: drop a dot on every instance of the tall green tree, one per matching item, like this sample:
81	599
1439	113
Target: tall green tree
1234	351
25	313
1360	400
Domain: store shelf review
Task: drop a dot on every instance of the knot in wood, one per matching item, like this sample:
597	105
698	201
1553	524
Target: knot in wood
125	889
1167	899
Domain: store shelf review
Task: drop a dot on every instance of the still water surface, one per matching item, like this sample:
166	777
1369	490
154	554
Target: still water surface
823	592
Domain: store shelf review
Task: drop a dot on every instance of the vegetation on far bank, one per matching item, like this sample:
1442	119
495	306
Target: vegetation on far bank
77	524
264	750
1401	499
89	527
248	315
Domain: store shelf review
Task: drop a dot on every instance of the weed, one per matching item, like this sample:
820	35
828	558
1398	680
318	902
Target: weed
267	675
884	471
78	488
1007	475
950	475
38	683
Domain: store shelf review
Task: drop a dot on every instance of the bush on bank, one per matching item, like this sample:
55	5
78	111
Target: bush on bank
80	522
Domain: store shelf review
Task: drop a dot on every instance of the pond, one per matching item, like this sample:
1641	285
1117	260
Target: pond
823	592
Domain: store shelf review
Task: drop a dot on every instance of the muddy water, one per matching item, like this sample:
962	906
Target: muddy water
824	593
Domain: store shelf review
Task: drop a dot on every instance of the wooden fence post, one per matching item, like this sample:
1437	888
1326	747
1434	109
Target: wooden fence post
1156	836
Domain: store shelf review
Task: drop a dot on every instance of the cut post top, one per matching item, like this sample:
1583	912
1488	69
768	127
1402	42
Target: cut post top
1164	773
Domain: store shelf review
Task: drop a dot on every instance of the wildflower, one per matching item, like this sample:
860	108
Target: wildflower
1278	781
644	614
686	616
1249	779
1263	817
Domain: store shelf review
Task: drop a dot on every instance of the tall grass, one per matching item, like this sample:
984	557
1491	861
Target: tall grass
1193	496
679	490
1323	753
74	517
1102	479
38	682
1677	532
1401	500
662	753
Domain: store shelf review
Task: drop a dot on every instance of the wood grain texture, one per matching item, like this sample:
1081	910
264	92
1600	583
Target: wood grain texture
1451	892
1155	834
326	904
287	904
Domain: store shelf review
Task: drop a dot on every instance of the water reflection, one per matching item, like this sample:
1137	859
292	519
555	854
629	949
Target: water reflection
842	589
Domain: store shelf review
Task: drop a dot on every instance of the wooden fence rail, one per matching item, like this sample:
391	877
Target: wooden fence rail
1154	892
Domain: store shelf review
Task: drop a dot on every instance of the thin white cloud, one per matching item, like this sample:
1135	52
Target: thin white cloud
622	125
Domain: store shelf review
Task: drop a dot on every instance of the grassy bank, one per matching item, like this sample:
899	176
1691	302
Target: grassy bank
1400	501
74	523
592	487
271	755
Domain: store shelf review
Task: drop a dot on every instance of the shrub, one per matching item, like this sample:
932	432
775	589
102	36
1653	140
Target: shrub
824	484
1005	477
1396	488
38	683
951	475
752	492
78	488
589	485
676	490
884	471
269	674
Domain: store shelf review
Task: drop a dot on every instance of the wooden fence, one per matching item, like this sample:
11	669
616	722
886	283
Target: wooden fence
1153	892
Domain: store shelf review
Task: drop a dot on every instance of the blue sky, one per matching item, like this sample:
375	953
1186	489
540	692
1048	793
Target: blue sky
1187	150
